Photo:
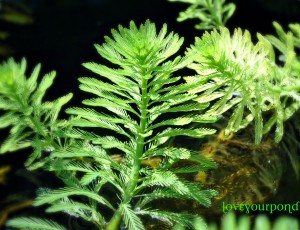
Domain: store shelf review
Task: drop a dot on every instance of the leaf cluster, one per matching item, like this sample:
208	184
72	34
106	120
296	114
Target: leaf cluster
246	78
32	121
211	13
139	101
138	89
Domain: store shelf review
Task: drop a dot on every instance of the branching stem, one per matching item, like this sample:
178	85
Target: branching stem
37	123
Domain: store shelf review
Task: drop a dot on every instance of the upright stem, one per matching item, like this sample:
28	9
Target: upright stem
115	222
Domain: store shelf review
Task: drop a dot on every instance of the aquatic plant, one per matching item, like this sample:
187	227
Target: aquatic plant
245	77
243	73
114	154
210	13
135	91
33	121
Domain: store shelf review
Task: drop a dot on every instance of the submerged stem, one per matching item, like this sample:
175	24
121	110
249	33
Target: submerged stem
116	220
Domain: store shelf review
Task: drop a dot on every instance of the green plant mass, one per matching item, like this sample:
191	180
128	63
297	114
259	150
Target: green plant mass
244	76
116	155
33	121
210	13
130	96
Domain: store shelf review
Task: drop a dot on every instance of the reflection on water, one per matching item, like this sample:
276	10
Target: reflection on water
247	173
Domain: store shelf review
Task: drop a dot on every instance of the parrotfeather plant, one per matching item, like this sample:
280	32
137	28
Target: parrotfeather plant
246	78
129	98
119	140
210	13
244	75
33	121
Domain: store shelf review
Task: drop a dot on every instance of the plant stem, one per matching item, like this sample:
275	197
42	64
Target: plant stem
212	11
116	220
42	133
37	123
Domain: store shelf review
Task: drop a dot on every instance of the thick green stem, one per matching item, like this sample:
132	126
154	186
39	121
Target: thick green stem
116	220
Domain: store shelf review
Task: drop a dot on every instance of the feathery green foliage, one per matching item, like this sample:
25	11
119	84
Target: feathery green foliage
130	97
118	142
33	122
211	13
122	126
287	76
34	223
244	76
